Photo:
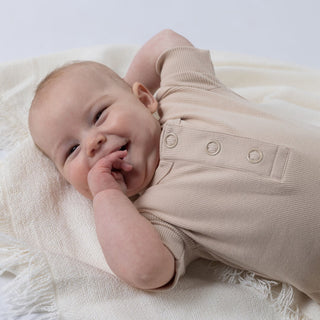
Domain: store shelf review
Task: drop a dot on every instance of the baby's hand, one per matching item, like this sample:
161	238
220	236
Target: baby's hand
106	173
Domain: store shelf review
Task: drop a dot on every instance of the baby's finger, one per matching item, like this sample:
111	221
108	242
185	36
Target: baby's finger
122	165
120	180
126	166
110	160
118	154
117	175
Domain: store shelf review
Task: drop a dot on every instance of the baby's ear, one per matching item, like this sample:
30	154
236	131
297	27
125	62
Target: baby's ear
145	96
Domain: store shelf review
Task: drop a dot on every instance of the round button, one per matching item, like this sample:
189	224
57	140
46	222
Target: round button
255	156
213	147
171	140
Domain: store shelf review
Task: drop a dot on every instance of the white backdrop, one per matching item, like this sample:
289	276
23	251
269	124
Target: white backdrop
284	30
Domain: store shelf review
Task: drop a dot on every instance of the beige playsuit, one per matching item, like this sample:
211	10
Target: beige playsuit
234	183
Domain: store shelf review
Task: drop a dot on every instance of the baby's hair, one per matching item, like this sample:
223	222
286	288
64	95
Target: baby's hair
56	73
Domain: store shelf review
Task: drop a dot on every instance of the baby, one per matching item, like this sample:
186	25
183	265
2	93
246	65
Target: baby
213	178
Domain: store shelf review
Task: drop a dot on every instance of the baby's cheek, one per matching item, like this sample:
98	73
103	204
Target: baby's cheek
76	175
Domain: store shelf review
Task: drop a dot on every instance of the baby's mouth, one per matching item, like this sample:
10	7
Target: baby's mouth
125	147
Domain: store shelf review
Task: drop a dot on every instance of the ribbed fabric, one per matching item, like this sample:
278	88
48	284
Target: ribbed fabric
242	186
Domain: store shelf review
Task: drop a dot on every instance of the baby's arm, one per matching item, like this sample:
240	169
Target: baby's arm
131	245
142	67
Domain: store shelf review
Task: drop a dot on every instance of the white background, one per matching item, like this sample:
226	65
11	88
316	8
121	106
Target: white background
283	30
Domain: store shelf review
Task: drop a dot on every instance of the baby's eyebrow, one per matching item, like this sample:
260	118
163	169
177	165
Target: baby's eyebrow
101	100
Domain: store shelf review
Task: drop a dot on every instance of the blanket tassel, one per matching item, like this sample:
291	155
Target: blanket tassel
31	290
281	295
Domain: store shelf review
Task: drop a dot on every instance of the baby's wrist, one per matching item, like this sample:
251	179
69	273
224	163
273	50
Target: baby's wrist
106	193
99	186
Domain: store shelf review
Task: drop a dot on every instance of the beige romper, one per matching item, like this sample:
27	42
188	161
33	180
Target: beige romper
234	184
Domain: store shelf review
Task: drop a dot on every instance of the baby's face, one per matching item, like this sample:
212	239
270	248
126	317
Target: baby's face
84	115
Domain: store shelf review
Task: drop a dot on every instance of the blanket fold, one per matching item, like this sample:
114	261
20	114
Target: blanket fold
47	231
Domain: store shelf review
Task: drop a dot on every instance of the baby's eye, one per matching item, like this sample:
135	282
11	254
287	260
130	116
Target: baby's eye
98	115
72	149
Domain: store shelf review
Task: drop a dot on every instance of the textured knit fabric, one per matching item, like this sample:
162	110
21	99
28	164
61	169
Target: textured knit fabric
47	232
234	183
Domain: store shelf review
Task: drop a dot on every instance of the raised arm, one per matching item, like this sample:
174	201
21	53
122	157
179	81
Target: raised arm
142	68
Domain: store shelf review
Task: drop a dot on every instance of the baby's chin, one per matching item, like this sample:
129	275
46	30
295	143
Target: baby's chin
130	194
135	188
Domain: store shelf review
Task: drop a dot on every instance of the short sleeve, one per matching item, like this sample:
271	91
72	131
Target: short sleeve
188	67
180	245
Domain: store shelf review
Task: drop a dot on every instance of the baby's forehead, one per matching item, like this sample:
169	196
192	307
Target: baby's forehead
84	66
82	70
69	80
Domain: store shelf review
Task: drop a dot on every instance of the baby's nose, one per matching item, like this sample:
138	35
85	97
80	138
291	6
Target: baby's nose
94	144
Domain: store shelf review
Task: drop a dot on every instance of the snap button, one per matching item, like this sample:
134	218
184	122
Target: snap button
255	156
171	140
213	147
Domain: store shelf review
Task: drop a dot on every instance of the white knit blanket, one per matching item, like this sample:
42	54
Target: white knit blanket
47	232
